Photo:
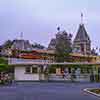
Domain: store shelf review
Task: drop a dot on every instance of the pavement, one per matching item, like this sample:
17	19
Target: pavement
47	91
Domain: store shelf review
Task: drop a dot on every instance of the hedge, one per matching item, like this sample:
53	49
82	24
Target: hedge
4	67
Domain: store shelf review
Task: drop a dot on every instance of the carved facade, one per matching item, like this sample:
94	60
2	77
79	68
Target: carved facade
82	42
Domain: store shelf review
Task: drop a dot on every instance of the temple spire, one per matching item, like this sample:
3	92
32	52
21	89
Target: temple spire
21	35
81	18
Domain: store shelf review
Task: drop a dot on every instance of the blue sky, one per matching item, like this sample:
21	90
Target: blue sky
38	19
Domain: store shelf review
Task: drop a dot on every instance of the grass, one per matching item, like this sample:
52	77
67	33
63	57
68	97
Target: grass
97	91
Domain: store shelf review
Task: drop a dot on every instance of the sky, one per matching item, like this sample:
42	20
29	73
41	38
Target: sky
39	19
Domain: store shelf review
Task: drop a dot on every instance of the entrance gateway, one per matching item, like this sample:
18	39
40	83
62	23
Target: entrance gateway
48	71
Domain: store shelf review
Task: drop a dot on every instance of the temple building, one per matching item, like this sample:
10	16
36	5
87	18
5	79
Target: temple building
40	64
21	45
54	41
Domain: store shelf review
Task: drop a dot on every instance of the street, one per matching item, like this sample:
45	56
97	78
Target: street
47	91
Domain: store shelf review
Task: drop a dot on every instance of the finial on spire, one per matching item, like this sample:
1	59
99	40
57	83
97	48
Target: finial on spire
81	18
58	28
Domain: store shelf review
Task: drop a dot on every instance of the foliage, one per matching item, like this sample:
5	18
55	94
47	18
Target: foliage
63	46
97	91
8	44
3	67
39	46
3	64
23	51
93	52
3	60
52	69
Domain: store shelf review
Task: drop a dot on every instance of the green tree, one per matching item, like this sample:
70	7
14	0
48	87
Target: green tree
3	61
8	44
93	52
4	67
3	64
63	46
39	46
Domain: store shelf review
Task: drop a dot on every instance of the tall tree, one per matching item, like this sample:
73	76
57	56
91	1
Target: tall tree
8	44
63	46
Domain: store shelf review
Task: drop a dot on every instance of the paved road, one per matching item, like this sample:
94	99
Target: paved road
47	91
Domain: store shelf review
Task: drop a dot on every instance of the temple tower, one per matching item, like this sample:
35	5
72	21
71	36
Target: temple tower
82	42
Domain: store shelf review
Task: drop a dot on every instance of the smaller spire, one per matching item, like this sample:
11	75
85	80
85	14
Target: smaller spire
81	18
21	35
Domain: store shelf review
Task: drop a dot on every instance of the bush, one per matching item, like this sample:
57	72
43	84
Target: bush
3	60
3	67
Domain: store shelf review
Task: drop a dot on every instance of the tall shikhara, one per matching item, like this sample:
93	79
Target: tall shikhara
82	42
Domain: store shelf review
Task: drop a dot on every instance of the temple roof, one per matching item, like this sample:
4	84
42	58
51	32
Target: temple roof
52	44
82	34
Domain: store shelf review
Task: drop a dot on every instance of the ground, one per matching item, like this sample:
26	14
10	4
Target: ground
47	91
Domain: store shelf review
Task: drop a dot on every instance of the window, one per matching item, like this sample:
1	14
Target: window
52	70
28	70
34	69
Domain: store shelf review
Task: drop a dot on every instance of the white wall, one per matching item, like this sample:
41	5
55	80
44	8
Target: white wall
21	75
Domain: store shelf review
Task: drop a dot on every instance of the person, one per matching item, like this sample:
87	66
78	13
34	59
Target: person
73	75
66	73
62	72
77	73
